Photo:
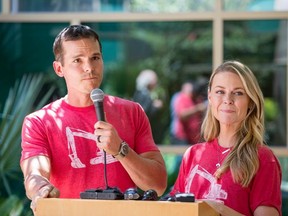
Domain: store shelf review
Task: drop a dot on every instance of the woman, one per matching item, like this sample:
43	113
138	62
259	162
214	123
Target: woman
234	171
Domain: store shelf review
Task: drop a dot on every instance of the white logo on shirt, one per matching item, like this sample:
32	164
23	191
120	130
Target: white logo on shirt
75	160
215	192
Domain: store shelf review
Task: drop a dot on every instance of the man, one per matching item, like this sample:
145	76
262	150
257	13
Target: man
147	97
63	143
146	82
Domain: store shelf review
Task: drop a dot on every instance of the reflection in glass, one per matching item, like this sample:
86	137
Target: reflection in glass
177	51
171	6
183	43
255	5
147	6
25	48
262	45
54	5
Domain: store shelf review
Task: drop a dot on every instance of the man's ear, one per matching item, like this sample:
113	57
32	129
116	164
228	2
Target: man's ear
58	68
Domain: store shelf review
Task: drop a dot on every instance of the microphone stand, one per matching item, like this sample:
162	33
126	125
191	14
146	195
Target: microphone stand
97	96
105	171
106	194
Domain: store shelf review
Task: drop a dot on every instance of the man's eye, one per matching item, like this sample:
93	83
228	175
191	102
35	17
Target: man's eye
76	61
95	57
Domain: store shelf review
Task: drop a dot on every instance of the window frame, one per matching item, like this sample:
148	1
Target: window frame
217	17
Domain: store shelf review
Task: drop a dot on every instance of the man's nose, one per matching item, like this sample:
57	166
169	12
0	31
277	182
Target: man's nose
88	67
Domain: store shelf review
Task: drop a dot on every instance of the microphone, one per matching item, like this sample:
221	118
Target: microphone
97	96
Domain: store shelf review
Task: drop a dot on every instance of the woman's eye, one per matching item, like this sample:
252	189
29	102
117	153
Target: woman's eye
219	92
239	93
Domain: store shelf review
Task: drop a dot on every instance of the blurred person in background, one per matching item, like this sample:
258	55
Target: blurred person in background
187	108
146	82
148	96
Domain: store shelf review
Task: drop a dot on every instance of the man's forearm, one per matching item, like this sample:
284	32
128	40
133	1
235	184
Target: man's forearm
34	183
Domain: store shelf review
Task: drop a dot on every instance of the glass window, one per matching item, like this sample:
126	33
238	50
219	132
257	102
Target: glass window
112	5
25	48
180	49
177	51
170	6
262	45
255	5
54	6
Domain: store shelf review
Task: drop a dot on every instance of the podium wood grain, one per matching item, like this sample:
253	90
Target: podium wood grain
85	207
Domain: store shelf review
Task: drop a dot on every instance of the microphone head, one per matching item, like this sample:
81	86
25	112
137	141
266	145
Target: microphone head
97	95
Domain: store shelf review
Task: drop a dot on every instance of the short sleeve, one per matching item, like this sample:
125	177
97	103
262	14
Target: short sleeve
34	140
266	185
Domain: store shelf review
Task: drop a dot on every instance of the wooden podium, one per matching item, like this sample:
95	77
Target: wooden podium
88	207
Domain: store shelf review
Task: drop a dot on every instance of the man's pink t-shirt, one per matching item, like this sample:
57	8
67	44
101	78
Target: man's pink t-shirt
65	134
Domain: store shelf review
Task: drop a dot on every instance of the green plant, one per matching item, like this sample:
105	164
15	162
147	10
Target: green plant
26	96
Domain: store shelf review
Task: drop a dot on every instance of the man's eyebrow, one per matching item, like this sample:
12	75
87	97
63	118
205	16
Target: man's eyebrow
80	55
77	56
98	54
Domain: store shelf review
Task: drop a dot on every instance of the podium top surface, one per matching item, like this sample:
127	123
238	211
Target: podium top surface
85	207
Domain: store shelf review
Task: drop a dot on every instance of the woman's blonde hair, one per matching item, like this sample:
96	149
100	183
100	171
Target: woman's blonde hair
243	159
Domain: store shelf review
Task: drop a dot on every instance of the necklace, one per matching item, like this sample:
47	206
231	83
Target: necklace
219	154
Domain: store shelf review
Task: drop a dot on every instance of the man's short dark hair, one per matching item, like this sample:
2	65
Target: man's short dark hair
72	33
